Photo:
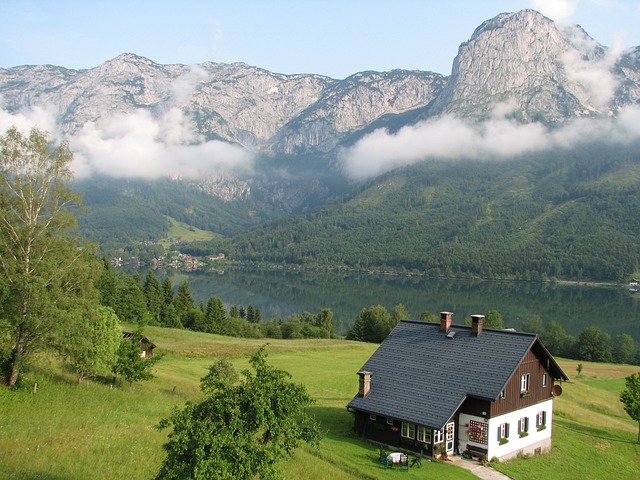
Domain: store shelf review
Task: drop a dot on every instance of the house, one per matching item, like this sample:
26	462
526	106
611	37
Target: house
143	342
455	389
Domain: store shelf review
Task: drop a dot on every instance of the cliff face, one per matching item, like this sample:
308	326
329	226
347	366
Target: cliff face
521	65
520	61
544	73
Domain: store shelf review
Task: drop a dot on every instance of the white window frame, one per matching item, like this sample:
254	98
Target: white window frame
389	421
438	436
541	418
372	416
424	434
525	382
523	425
503	394
545	379
408	430
504	431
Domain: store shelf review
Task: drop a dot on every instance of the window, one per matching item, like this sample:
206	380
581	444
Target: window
545	379
424	434
408	430
503	433
541	420
503	394
389	421
372	416
523	427
478	432
438	436
524	384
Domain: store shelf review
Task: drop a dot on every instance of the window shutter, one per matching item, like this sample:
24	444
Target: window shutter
544	418
519	429
507	431
526	424
499	437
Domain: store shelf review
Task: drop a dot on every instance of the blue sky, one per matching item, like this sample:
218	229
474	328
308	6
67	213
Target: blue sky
330	37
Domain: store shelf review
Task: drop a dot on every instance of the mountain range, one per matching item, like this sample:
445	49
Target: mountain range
227	147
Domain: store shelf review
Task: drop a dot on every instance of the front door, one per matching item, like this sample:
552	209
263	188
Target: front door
449	437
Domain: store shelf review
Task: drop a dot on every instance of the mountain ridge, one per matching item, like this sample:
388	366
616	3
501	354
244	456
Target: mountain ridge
516	70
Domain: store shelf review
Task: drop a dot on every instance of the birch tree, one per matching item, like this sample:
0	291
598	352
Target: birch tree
46	275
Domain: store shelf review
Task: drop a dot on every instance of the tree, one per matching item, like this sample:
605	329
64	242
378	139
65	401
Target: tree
90	344
400	313
184	301
240	430
533	325
556	340
46	276
251	314
373	324
130	365
153	295
593	345
493	319
623	349
630	397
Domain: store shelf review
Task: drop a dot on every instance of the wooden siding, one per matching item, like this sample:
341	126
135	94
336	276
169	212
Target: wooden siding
534	365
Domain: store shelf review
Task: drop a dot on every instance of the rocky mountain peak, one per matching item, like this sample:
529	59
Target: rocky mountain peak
526	61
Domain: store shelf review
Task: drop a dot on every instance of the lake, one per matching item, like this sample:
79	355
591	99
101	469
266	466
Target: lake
282	293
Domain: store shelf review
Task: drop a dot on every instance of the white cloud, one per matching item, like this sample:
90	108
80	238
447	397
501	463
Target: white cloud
558	10
43	118
449	137
139	145
136	145
183	87
588	67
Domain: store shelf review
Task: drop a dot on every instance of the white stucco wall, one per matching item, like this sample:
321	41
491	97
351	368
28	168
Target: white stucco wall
526	445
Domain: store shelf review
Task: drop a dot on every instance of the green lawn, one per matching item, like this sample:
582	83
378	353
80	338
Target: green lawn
96	430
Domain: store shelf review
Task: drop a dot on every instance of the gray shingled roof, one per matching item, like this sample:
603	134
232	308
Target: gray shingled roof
422	376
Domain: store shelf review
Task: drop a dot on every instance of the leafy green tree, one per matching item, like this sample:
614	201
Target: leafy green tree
427	316
593	345
493	319
400	312
46	277
194	319
556	339
241	430
129	364
324	321
533	325
130	304
630	397
372	324
623	349
90	343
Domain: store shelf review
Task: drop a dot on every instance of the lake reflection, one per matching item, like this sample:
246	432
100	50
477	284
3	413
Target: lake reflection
283	293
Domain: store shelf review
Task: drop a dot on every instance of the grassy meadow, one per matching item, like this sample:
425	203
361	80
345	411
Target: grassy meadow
101	431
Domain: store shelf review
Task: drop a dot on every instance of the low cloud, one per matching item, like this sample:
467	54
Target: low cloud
140	144
449	137
558	10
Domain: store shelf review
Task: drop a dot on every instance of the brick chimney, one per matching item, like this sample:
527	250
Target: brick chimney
445	321
365	382
477	321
